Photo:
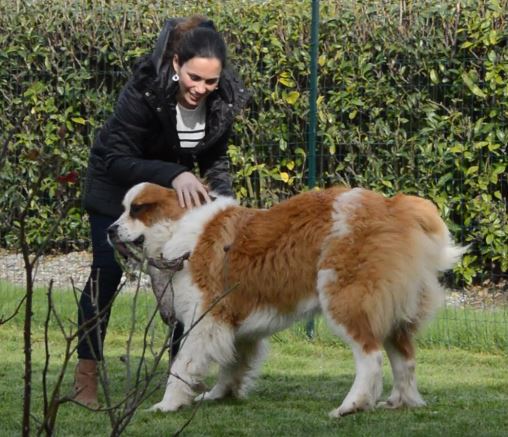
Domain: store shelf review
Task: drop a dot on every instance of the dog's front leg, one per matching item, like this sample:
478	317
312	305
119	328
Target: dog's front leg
186	375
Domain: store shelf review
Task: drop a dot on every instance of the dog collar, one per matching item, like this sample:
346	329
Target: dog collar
173	265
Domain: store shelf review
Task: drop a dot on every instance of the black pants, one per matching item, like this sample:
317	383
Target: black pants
99	293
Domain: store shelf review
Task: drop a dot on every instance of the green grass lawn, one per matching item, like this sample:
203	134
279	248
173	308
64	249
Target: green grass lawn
466	388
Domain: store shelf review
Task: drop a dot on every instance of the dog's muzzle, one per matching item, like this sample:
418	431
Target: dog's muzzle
129	249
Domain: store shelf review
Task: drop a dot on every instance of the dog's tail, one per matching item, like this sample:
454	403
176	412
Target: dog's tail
451	255
426	214
433	252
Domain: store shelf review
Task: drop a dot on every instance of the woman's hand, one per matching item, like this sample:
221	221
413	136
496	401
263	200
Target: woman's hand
191	192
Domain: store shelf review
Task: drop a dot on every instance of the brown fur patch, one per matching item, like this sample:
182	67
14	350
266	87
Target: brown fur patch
402	339
271	261
156	203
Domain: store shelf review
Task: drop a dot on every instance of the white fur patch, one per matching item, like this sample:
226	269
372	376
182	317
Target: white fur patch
188	299
188	229
266	321
325	277
368	384
132	194
343	206
158	234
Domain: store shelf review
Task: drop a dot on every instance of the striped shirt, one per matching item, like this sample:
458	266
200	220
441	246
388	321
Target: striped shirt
190	125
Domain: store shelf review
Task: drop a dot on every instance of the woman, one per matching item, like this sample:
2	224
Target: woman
174	113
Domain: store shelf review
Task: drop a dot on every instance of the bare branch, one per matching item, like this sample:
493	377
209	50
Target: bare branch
47	354
15	313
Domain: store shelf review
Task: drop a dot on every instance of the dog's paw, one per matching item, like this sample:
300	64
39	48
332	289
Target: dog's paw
165	407
397	400
351	407
389	405
220	391
209	396
201	397
343	411
340	412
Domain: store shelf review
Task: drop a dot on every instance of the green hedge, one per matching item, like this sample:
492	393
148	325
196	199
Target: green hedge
413	97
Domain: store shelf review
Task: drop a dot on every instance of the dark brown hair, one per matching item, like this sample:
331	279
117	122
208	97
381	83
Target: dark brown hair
197	37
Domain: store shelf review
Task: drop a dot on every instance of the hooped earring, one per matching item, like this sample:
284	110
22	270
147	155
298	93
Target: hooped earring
175	77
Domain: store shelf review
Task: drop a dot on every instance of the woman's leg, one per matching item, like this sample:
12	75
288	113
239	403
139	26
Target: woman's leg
97	295
99	291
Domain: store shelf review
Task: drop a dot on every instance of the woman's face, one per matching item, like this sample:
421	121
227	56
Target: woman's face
198	78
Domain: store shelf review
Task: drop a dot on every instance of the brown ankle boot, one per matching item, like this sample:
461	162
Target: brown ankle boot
85	383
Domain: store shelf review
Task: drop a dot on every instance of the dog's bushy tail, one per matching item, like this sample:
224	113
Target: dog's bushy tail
434	252
427	216
451	255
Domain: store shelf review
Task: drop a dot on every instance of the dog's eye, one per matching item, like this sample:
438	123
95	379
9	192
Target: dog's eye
137	209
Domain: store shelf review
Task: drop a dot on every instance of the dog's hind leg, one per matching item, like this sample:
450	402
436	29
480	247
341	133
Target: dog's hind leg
235	378
400	350
347	320
368	383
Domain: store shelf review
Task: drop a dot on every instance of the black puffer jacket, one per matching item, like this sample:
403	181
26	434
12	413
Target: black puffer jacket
139	142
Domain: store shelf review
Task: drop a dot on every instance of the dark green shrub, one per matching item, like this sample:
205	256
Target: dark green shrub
412	97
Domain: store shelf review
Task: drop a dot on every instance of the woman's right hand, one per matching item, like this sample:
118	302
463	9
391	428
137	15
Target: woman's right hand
191	192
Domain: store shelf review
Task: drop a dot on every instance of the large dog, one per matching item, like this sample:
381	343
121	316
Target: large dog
369	264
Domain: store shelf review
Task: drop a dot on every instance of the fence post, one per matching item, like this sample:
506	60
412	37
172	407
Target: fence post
312	129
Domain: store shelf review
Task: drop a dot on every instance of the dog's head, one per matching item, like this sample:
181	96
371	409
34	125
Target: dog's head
148	220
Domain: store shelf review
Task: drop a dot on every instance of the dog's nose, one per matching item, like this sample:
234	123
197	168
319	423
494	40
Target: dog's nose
112	230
